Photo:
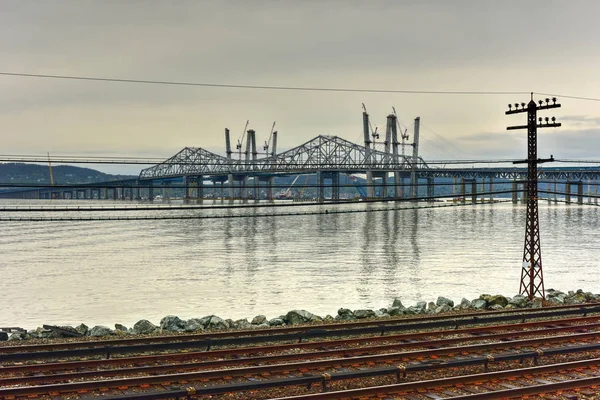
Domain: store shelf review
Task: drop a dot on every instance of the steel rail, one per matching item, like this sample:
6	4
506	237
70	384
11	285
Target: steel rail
294	366
450	382
323	379
209	339
230	363
517	332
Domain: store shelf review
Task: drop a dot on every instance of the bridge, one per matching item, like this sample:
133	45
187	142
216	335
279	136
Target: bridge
326	157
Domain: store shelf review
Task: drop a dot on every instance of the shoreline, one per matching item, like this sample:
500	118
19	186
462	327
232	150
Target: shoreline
173	324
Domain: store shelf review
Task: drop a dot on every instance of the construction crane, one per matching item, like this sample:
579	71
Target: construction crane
240	141
50	169
374	133
403	135
268	142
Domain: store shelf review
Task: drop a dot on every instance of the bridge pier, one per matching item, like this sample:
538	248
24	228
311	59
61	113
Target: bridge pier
231	187
243	190
256	191
580	192
596	192
430	190
463	190
491	190
515	193
589	192
398	185
474	191
384	186
186	188
568	192
270	183
482	187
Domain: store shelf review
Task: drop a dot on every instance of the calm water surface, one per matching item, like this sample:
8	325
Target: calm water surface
104	272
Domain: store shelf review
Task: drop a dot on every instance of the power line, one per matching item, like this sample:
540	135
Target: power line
565	96
263	87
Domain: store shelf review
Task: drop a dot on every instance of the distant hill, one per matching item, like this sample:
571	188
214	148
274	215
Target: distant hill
62	174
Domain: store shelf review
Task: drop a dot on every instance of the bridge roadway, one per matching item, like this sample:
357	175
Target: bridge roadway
466	180
328	158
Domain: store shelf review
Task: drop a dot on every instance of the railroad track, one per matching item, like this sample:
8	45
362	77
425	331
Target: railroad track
287	365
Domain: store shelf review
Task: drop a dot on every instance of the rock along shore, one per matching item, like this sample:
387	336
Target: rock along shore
172	323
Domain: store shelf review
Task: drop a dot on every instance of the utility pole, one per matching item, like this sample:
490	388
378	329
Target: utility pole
532	279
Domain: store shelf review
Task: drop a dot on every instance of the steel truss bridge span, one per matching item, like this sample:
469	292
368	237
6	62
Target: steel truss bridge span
323	153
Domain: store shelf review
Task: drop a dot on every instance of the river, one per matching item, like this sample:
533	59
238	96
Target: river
106	272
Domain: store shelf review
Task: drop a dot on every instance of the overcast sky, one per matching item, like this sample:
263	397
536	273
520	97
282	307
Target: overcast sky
548	46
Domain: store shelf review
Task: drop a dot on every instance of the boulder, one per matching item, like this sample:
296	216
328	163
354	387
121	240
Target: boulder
442	309
493	300
100	330
519	301
143	327
316	318
397	303
431	306
82	328
443	300
395	311
259	319
276	322
193	325
215	322
381	313
556	300
229	323
119	327
17	336
172	323
328	318
295	317
576	298
465	304
345	314
361	314
242	324
479	304
3	336
419	308
495	307
535	303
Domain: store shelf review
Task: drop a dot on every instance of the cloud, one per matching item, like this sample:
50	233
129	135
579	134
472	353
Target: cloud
433	45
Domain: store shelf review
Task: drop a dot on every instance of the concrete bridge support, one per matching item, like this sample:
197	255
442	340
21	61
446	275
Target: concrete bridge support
270	183
243	189
491	190
596	192
321	187
187	181
256	191
515	193
589	192
463	190
474	191
231	187
430	190
482	190
398	187
580	192
568	192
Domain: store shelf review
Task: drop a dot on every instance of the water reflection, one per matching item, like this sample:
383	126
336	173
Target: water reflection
240	267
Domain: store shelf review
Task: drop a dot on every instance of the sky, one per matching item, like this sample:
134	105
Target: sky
548	46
